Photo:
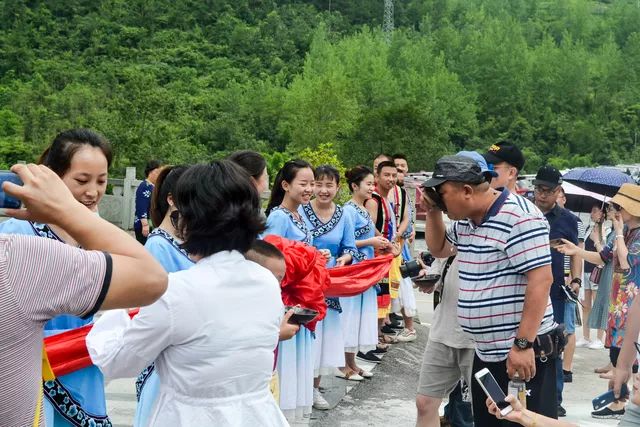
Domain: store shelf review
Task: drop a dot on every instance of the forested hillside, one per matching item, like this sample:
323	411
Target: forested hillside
190	80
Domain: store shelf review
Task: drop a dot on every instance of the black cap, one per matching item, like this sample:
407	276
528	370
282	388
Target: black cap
455	168
548	176
505	151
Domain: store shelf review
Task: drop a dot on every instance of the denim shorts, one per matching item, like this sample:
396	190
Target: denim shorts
570	317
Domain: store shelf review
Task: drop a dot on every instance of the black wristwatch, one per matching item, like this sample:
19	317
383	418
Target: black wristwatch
522	343
577	280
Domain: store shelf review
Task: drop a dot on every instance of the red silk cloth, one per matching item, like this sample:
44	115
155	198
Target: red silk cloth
306	276
307	281
354	279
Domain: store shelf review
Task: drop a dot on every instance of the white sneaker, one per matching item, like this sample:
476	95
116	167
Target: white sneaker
407	335
319	402
596	345
582	343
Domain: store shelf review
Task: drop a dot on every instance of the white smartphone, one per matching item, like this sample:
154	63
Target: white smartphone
493	390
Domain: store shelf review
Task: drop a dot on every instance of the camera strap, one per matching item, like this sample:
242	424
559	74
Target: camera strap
445	269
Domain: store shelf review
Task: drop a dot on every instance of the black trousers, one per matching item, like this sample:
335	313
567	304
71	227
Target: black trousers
139	237
541	396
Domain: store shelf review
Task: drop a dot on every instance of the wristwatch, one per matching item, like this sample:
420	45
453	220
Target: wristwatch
577	280
522	343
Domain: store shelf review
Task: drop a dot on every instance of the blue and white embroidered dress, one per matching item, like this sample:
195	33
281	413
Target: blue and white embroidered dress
76	399
360	312
338	236
167	251
295	356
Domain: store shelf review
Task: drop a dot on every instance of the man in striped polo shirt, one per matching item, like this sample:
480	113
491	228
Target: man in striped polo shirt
505	277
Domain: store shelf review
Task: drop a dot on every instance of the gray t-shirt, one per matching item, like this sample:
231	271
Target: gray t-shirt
39	279
445	328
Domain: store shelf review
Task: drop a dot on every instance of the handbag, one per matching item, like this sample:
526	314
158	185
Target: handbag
594	276
550	345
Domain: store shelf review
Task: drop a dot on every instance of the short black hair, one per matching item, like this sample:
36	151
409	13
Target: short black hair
151	166
325	171
385	164
385	155
66	144
219	209
357	175
251	161
265	249
399	156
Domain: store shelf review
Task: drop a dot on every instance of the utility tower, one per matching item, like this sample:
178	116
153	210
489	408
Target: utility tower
387	24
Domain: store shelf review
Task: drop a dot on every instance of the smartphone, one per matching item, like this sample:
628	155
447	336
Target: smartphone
555	243
7	201
493	390
605	398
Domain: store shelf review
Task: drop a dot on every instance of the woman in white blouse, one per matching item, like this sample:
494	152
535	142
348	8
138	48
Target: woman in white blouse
212	334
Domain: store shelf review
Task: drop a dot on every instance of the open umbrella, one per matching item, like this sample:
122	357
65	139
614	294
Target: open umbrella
581	200
601	180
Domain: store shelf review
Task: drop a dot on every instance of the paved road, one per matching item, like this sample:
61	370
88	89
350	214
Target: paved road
388	398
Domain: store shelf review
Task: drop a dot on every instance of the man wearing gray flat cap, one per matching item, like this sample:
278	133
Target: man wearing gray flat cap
505	276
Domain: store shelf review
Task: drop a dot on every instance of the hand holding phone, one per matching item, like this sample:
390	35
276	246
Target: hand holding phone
605	398
493	390
7	201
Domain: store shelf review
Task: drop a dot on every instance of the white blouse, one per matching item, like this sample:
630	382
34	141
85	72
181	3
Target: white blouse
212	337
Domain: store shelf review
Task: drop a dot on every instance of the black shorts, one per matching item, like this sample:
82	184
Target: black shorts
614	353
542	396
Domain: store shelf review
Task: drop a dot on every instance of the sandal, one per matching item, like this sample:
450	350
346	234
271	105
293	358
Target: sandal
351	375
365	374
388	339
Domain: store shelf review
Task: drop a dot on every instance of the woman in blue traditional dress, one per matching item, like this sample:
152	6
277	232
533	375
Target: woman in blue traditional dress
164	244
293	187
334	235
81	157
360	312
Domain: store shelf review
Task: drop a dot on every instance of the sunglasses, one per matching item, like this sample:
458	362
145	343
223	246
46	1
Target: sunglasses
175	219
613	207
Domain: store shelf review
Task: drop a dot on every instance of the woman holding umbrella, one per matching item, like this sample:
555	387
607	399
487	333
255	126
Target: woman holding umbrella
626	276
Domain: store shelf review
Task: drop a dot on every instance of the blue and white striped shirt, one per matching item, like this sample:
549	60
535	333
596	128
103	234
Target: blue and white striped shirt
494	258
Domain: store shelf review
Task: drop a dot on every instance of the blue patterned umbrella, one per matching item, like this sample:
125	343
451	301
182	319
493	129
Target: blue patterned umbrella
601	180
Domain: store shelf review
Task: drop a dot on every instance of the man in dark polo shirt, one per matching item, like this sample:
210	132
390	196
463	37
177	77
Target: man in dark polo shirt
563	225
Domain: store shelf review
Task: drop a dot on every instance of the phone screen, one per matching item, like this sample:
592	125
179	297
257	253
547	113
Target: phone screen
494	390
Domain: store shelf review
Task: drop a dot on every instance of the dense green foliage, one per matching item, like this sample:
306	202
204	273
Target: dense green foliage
191	80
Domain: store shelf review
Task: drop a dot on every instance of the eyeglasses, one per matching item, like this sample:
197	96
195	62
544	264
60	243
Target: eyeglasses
544	191
175	218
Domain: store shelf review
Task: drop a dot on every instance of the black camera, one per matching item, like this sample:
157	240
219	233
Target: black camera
412	268
436	197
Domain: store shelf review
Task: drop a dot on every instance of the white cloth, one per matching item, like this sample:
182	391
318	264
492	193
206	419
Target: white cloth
329	344
406	299
212	336
295	370
360	321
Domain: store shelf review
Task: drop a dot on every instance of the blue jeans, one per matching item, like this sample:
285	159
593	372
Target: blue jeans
568	310
457	411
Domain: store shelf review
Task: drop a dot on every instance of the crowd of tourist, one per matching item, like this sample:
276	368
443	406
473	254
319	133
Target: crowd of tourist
514	276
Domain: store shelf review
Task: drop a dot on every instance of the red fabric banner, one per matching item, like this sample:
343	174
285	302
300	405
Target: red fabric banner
307	281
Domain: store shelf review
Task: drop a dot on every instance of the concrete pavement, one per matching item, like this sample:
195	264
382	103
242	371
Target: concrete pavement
388	398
